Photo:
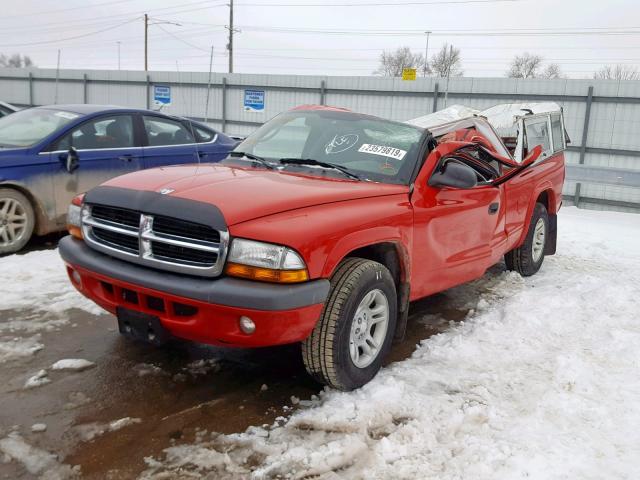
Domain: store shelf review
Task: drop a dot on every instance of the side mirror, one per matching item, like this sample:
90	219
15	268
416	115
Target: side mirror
534	154
455	175
70	160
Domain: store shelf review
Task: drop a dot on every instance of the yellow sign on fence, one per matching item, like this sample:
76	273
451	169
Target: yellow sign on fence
408	74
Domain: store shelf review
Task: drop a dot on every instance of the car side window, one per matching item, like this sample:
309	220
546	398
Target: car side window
164	132
204	136
103	133
558	133
537	133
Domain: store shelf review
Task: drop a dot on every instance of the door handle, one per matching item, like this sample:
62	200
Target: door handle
202	154
126	158
493	208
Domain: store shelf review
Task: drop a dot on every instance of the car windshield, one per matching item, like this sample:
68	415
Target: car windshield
368	148
28	127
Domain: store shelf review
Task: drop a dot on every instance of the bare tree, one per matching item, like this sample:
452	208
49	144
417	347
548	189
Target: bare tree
16	61
525	66
447	62
393	62
552	72
618	72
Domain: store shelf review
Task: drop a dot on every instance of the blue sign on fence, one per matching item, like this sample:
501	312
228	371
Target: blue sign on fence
254	100
162	95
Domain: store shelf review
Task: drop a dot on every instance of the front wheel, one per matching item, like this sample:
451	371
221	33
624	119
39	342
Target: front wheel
527	259
17	220
354	333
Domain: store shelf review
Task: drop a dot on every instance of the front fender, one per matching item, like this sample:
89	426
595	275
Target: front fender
325	234
365	238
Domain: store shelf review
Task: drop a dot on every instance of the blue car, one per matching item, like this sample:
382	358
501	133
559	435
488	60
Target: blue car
50	154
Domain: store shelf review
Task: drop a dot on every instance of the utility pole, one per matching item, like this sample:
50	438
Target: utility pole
206	108
230	45
118	54
426	55
146	42
446	92
55	100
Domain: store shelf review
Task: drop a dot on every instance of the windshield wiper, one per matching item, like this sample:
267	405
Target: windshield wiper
251	156
318	163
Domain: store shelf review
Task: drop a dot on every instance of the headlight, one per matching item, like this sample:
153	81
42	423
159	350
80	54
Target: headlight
74	216
265	262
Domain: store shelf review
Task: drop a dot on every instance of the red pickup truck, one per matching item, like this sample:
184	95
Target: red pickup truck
321	227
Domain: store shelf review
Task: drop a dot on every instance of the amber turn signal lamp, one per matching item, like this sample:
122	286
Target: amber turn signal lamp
74	214
266	274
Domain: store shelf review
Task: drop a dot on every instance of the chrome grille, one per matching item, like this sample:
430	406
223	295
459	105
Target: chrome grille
155	240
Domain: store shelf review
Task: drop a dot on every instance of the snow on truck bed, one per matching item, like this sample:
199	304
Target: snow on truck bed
541	381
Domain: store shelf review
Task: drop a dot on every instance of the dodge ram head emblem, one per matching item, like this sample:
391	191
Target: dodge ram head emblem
166	191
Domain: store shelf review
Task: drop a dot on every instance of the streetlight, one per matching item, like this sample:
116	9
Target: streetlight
426	54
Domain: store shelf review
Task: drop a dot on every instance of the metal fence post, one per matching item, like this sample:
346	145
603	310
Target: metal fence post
148	87
224	104
435	97
31	104
84	88
323	92
583	145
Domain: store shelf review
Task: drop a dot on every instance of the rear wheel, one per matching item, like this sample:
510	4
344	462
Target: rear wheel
527	259
17	220
355	331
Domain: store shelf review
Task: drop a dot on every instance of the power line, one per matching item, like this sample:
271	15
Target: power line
377	4
93	5
70	38
182	40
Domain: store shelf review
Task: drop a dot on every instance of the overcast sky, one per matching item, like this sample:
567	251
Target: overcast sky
293	36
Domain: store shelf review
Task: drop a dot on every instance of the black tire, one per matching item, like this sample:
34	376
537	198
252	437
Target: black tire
522	259
8	243
326	351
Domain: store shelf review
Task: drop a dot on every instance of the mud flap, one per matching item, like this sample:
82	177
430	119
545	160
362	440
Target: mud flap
552	238
403	313
142	326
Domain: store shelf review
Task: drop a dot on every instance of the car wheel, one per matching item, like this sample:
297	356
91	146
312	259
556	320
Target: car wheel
527	259
355	331
17	220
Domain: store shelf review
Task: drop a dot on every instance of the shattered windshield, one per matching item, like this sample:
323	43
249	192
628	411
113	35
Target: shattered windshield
325	142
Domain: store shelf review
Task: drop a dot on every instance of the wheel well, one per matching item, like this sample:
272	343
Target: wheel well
39	227
544	199
384	253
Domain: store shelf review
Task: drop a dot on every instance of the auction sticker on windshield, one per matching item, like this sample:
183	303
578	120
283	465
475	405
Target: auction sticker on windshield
383	151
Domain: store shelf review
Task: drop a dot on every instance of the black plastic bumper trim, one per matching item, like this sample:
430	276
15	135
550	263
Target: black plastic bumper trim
231	292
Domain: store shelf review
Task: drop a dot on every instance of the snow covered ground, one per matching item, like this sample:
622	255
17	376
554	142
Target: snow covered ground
540	381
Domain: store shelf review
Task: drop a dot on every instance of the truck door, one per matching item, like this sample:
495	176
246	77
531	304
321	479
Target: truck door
458	233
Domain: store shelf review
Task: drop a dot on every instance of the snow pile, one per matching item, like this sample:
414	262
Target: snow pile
37	380
12	348
540	381
77	364
38	280
90	431
35	460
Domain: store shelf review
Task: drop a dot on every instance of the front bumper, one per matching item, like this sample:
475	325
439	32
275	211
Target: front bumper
199	309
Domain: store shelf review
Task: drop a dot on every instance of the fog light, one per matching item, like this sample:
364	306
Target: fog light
75	277
247	325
